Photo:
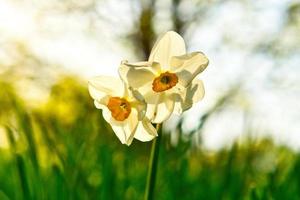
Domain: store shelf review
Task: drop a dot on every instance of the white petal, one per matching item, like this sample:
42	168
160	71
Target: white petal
103	86
188	66
139	104
124	130
139	79
178	108
147	91
136	64
160	107
107	114
193	93
99	105
145	131
136	77
168	45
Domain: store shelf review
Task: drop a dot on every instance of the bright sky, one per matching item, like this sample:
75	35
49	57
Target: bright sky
274	109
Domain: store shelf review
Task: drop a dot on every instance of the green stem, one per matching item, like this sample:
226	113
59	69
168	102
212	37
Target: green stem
153	164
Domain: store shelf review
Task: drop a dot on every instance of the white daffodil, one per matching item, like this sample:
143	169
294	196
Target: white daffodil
167	80
123	109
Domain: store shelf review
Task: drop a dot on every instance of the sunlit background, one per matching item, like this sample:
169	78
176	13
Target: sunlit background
240	142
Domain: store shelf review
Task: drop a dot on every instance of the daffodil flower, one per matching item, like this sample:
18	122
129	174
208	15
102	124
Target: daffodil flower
167	80
123	109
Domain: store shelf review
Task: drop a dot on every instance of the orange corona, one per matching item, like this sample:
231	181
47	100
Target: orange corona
119	107
164	82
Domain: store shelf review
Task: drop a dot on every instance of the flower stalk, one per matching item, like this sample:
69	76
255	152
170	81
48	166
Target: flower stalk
153	162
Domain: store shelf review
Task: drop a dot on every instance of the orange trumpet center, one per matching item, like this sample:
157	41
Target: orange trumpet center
164	82
119	107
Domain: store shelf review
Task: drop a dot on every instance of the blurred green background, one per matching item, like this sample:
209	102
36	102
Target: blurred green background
241	142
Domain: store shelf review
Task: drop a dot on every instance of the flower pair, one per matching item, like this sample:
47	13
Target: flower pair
150	91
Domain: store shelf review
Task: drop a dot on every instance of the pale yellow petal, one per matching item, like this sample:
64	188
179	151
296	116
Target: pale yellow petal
160	107
145	131
188	66
107	114
168	45
136	77
147	91
143	64
178	108
193	94
154	67
124	130
102	86
139	104
99	105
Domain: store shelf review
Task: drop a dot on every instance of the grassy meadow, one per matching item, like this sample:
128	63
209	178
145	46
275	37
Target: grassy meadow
63	149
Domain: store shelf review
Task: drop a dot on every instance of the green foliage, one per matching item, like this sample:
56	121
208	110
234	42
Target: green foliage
65	150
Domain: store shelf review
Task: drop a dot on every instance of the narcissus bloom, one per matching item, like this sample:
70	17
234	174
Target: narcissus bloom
167	80
123	109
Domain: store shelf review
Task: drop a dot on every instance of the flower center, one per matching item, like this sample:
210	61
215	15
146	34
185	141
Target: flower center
164	82
119	107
